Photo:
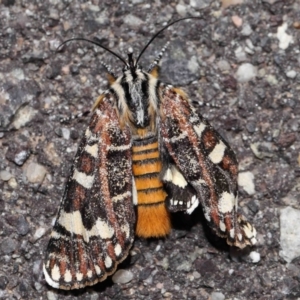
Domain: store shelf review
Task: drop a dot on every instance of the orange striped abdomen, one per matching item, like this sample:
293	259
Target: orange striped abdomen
153	219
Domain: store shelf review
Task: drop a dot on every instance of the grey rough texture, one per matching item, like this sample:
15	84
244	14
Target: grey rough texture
289	233
38	87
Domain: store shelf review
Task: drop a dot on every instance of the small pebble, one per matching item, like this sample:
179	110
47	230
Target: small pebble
271	79
18	74
53	44
296	25
39	233
223	65
133	21
291	74
35	172
8	245
246	181
168	295
254	256
289	233
5	175
65	133
246	72
3	282
247	30
21	157
240	54
22	225
52	296
199	4
181	10
262	149
227	3
24	116
284	38
237	21
217	296
122	276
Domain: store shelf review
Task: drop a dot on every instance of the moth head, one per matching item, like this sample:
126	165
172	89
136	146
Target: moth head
131	66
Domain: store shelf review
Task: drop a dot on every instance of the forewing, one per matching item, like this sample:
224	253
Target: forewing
94	228
207	163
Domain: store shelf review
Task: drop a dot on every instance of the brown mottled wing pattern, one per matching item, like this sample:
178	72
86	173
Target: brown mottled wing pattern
207	163
94	229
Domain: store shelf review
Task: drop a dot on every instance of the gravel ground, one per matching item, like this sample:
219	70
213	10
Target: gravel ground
241	62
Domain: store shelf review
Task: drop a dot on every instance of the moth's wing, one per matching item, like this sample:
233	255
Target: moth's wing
94	229
181	196
207	163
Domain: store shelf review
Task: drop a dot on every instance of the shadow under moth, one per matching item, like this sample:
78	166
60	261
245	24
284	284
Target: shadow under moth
146	153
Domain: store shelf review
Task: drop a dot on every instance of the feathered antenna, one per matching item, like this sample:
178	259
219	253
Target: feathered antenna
159	56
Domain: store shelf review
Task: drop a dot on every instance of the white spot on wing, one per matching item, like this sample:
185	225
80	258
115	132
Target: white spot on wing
89	273
119	148
72	222
173	175
101	229
199	129
253	240
178	178
118	249
49	279
98	270
240	237
226	202
207	216
55	273
195	203
90	136
168	175
92	150
88	133
108	262
55	234
68	276
85	180
176	138
249	231
121	197
216	155
79	276
222	226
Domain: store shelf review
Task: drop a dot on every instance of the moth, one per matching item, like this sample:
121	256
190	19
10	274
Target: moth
146	152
